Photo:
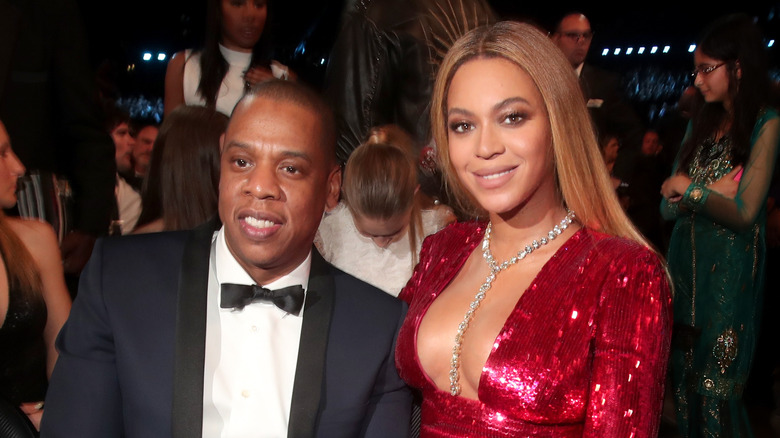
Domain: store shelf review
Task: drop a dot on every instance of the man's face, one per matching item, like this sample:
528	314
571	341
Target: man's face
573	37
277	179
142	151
123	143
651	144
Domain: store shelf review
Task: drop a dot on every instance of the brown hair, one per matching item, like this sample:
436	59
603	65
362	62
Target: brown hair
183	180
380	179
581	175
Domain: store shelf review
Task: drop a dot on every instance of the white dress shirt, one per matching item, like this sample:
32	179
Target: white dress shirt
251	355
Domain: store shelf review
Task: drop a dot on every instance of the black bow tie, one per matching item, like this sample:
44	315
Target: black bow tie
289	299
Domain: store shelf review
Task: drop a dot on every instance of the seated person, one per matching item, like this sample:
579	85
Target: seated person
128	199
34	300
186	150
377	230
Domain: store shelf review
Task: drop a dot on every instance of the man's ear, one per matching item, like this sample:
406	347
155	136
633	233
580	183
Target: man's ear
334	189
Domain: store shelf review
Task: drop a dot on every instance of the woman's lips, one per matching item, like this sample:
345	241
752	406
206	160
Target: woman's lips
493	178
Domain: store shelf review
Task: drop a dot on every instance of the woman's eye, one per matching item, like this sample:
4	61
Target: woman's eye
290	169
514	118
460	127
240	162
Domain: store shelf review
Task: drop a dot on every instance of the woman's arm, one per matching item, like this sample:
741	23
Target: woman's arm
40	240
174	83
632	336
734	204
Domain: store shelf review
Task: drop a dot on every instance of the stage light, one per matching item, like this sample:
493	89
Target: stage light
161	56
692	48
147	56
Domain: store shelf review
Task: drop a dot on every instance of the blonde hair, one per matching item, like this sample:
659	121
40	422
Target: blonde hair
380	179
581	175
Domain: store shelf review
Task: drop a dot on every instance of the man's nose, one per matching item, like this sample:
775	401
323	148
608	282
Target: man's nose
262	184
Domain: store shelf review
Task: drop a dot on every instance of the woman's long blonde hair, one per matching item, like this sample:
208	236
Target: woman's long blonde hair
581	175
380	180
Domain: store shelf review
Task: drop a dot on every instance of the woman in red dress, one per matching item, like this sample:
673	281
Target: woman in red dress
547	315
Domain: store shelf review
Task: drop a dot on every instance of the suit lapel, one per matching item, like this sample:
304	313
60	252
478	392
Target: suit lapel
190	349
310	370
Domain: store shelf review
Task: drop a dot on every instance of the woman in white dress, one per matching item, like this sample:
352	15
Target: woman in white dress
376	231
236	54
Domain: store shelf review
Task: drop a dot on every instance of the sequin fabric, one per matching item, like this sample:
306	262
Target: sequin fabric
583	353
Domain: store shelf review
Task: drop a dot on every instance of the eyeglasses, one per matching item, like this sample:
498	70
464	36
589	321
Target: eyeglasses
706	70
576	36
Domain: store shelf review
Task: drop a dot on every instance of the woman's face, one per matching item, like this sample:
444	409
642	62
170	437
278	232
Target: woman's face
243	22
10	170
383	232
499	136
712	78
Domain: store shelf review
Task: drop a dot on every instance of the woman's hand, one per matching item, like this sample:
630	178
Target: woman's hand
727	186
674	187
34	412
255	75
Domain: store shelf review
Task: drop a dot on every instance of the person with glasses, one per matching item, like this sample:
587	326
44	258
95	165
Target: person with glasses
607	104
717	196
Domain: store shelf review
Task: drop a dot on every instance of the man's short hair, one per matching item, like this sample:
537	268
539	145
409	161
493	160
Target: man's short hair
305	97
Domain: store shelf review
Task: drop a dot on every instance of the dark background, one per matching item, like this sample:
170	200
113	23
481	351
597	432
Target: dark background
120	32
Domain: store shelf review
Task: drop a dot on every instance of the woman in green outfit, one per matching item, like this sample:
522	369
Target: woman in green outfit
717	196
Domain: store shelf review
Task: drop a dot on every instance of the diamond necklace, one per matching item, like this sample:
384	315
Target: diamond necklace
495	268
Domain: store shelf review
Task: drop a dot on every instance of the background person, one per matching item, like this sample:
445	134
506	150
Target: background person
717	196
34	300
183	182
377	230
236	54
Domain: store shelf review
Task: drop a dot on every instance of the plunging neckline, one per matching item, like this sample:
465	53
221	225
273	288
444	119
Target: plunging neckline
516	308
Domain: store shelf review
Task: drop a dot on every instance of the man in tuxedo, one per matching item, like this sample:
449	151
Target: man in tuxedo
166	338
606	102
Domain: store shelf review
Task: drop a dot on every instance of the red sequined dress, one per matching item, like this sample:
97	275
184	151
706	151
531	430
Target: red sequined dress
583	353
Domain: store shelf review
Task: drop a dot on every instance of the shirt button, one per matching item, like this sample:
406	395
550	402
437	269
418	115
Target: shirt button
245	393
254	328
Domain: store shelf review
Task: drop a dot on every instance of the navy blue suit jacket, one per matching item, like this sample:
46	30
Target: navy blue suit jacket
132	351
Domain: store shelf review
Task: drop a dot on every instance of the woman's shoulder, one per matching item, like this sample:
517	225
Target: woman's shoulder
620	250
456	235
36	235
